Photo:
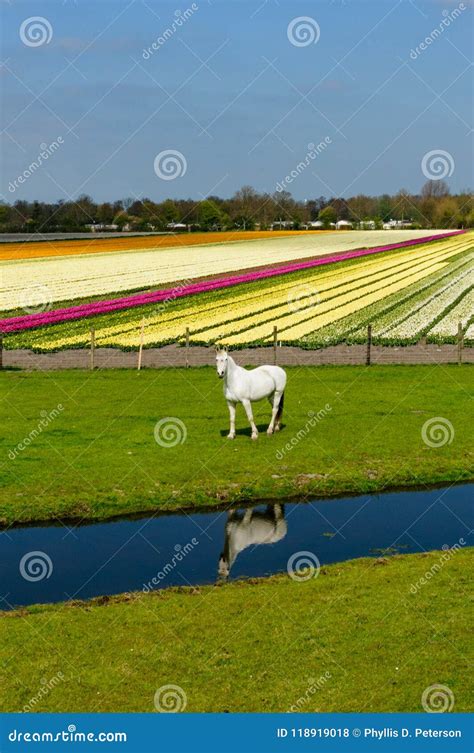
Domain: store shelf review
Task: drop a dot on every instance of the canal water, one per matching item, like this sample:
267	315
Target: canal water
57	563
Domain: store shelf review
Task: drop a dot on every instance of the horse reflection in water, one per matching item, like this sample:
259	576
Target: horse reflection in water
251	528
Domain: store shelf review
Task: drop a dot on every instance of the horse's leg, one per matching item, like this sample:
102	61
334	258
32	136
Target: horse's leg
231	434
247	515
276	403
248	409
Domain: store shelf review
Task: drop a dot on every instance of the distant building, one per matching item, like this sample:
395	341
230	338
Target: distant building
97	227
396	224
283	225
343	225
176	226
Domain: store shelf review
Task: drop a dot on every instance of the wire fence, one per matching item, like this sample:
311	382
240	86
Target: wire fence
186	354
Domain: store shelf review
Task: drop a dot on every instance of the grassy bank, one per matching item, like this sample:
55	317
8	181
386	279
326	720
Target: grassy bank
363	636
81	445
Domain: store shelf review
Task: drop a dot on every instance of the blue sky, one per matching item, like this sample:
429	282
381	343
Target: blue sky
230	91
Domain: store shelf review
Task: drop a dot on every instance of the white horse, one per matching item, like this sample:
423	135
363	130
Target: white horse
246	387
253	528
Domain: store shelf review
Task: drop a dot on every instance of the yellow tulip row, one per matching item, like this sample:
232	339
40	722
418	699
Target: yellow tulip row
298	293
292	310
297	303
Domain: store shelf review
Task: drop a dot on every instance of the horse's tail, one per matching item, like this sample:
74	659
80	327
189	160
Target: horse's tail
280	407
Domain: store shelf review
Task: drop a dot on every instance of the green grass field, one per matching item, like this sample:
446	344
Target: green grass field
356	638
96	456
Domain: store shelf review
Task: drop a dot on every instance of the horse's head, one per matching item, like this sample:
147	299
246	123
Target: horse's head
223	568
221	363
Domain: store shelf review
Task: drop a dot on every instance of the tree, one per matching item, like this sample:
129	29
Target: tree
327	216
384	208
121	219
447	213
243	207
210	216
168	212
434	189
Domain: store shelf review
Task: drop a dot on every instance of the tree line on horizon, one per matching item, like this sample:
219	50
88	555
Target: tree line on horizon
247	209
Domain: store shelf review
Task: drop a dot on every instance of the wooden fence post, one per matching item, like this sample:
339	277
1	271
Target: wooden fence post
140	349
187	347
369	345
92	355
460	342
275	339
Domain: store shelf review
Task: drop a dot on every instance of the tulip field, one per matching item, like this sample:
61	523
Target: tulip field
85	274
407	290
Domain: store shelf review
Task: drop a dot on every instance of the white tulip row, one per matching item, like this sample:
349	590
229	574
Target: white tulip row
72	277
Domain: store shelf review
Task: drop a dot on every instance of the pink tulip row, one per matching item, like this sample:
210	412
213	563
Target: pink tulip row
15	324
